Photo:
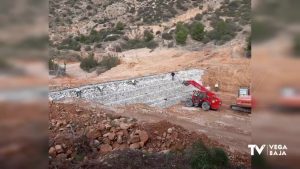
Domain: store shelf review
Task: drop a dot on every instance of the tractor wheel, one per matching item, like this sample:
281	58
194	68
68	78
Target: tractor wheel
205	106
189	103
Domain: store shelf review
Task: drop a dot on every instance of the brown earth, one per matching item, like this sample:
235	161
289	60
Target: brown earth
224	65
79	134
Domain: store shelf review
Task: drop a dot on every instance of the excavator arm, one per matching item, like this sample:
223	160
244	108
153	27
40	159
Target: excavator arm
195	84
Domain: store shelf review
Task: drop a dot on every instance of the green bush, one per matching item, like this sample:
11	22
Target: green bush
223	31
148	36
88	63
120	26
151	44
181	33
220	158
99	36
198	17
69	43
202	157
167	36
259	161
181	37
137	43
109	62
197	31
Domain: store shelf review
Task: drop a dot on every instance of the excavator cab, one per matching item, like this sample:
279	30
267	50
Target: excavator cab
244	100
244	91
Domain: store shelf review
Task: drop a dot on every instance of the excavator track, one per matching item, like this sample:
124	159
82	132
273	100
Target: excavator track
241	109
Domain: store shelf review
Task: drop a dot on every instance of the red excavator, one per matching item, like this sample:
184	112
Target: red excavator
202	97
244	101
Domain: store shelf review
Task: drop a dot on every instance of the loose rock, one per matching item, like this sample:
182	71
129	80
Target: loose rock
135	146
143	136
52	151
170	130
105	148
59	149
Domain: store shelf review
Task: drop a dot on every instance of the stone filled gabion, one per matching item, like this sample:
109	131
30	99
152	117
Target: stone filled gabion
157	90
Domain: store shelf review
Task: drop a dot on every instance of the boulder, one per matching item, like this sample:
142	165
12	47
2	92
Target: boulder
101	127
96	143
143	136
52	151
135	146
92	134
120	133
134	139
61	156
105	148
170	130
122	147
106	140
59	149
106	134
125	126
111	136
119	139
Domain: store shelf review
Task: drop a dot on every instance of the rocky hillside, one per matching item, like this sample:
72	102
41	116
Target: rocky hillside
98	26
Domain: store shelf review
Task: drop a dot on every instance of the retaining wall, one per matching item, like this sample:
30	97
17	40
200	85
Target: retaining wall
157	90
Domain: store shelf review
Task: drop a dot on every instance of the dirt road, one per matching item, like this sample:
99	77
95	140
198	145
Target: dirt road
233	129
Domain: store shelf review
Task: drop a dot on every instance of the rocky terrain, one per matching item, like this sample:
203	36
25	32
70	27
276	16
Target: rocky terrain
86	137
79	28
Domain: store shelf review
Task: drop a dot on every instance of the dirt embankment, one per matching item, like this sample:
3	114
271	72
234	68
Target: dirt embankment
225	65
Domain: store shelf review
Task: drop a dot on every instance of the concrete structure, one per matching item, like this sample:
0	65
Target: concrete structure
157	90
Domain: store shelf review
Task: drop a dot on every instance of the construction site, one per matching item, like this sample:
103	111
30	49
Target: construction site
146	99
155	105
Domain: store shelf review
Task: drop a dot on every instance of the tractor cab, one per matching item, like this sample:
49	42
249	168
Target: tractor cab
202	97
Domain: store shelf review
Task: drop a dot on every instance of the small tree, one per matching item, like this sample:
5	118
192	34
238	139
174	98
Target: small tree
197	31
181	33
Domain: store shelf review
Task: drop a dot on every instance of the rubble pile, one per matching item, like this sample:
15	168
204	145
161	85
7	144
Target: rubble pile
77	134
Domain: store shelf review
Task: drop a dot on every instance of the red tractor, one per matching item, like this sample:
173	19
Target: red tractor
244	101
202	97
